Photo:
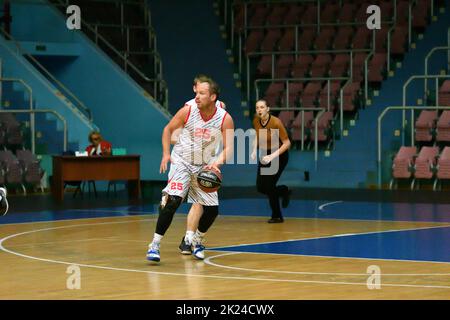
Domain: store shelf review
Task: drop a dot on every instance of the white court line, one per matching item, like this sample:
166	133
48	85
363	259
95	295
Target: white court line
181	274
208	261
328	204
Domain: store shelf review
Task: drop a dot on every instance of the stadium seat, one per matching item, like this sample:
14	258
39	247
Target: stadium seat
320	66
264	67
343	38
420	15
443	127
287	41
324	129
294	91
297	126
347	13
293	15
286	118
444	94
403	164
351	97
425	125
425	164
335	86
31	167
13	169
275	17
307	39
308	98
324	39
270	40
443	167
283	66
399	40
362	38
377	68
340	65
253	41
301	66
309	16
259	16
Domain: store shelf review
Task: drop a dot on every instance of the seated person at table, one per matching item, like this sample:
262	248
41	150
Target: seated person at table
98	147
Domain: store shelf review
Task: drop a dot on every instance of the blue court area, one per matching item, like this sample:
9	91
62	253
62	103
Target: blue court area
430	245
425	212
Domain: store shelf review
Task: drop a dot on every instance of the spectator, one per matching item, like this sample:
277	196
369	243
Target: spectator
98	147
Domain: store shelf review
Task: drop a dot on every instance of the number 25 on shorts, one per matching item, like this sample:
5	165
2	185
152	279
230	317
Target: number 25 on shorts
176	186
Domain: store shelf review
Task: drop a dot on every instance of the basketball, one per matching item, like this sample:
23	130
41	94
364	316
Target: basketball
209	180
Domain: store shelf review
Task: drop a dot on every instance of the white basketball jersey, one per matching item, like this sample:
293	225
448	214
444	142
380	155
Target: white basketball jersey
200	138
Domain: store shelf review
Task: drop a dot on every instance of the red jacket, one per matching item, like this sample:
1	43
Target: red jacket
104	146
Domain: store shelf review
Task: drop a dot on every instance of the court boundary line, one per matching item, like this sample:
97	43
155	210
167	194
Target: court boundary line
2	248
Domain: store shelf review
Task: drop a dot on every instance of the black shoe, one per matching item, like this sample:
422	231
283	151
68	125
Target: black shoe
185	248
275	220
286	198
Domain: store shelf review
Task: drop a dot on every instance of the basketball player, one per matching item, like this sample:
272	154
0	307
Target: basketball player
196	210
3	201
266	125
204	125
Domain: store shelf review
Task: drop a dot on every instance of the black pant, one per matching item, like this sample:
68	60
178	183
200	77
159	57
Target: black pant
267	184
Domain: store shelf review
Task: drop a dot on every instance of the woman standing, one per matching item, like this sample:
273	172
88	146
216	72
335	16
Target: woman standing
273	141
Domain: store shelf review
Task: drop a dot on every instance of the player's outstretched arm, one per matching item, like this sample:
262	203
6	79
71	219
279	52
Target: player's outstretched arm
177	122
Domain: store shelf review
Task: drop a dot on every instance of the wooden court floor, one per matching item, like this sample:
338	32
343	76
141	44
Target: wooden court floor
110	253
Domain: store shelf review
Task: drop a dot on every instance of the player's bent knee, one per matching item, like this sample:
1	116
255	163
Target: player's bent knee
167	210
170	202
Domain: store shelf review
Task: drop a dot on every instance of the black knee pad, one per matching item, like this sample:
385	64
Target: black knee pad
166	211
210	214
171	203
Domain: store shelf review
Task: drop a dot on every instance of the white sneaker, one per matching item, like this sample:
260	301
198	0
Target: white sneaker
199	251
153	253
3	200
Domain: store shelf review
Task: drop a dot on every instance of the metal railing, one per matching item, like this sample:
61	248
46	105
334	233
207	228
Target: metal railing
33	134
379	129
316	126
126	64
125	30
64	90
431	52
288	80
160	88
